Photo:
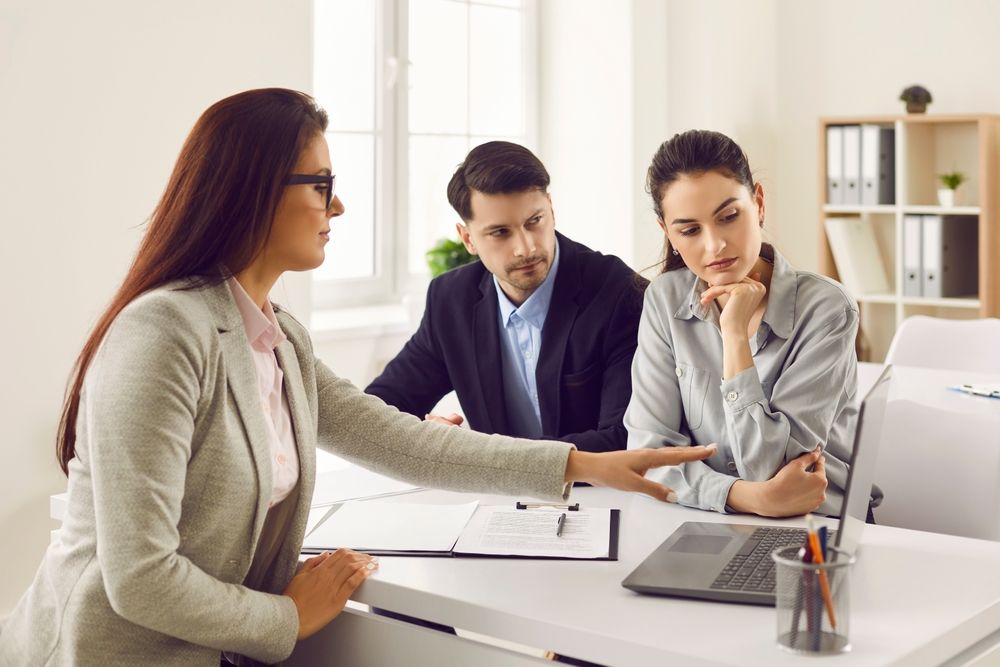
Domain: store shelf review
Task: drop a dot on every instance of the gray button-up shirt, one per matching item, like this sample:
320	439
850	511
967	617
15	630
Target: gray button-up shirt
800	392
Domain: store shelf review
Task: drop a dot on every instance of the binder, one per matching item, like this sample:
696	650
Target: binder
856	254
950	256
852	165
834	164
912	256
499	531
878	160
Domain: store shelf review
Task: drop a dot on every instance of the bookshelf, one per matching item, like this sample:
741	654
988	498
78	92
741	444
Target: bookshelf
925	145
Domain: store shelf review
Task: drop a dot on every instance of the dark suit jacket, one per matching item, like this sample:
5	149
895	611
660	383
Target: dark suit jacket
584	367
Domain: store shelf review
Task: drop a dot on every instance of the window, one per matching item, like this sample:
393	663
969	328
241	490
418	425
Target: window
399	125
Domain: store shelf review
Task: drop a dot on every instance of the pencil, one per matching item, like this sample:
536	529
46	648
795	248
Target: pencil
824	583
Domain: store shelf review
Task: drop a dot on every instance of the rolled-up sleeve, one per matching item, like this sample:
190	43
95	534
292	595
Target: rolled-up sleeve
655	413
807	397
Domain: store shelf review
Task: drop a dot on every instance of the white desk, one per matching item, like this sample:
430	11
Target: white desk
917	599
939	459
939	464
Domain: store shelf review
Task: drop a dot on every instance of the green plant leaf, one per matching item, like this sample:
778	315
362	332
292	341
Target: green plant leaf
447	254
952	180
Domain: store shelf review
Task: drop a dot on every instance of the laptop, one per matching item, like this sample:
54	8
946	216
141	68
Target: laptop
730	562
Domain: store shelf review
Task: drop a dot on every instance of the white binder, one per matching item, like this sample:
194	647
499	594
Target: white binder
834	164
856	254
878	178
950	256
912	256
852	165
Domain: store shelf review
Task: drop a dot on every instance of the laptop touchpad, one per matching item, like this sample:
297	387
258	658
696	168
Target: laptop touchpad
701	544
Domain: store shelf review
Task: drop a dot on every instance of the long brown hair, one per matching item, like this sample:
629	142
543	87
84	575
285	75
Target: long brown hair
215	214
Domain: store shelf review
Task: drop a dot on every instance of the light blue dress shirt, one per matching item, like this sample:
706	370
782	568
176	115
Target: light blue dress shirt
520	343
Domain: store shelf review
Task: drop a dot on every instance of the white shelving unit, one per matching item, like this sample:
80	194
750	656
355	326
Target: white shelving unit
925	146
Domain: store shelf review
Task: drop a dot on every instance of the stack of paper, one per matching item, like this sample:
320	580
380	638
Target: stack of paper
417	529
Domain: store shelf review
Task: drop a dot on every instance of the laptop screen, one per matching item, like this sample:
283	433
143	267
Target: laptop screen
867	437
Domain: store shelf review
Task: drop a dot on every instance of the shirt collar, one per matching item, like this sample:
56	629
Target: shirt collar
535	307
780	313
261	326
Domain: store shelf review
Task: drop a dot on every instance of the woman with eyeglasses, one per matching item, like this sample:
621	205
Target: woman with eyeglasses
193	411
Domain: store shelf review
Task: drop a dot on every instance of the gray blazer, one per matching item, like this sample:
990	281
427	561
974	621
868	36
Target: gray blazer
171	483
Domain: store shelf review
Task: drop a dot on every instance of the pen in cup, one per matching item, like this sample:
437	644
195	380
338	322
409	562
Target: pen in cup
560	523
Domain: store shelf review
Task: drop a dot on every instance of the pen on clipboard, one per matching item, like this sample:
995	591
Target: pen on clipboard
560	523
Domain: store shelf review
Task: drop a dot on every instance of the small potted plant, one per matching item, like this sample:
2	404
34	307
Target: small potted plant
917	98
950	181
446	255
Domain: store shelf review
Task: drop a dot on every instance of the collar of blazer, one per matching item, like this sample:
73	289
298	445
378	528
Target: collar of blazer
242	376
558	324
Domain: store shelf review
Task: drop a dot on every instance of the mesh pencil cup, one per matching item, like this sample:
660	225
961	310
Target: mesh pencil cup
813	601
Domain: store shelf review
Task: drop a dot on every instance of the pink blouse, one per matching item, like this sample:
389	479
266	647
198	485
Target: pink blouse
265	335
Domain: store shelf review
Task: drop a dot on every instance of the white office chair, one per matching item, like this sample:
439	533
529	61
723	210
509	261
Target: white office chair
961	345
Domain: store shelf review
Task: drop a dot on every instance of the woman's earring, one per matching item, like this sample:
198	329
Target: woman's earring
674	250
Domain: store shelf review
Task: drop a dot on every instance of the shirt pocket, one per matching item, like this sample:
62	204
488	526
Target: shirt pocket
694	393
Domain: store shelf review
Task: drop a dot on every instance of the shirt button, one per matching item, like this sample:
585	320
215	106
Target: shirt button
731	465
732	396
679	371
281	459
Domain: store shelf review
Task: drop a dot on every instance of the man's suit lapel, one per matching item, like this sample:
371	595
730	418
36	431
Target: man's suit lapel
558	324
486	350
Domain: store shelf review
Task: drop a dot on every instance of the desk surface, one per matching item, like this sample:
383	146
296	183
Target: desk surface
917	598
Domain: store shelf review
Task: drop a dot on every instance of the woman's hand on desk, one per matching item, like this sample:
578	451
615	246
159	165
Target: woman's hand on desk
797	488
626	470
324	584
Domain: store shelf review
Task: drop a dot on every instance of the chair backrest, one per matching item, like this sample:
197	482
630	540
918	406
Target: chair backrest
961	345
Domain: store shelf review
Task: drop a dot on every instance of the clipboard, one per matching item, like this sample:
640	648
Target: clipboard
473	530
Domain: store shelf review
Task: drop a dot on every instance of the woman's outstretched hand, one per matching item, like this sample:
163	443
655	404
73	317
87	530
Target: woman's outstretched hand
626	470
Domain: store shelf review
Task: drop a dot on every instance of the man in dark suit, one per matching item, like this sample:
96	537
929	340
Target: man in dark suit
537	337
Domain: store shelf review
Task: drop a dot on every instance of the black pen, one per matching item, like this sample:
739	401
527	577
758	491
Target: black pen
560	523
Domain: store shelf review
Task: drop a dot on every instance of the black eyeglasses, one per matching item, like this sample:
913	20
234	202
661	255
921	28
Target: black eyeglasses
329	183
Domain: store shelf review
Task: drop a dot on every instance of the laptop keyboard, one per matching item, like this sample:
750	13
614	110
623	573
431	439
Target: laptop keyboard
752	569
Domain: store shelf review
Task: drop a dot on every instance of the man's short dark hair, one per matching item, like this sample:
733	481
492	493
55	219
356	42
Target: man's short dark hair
495	168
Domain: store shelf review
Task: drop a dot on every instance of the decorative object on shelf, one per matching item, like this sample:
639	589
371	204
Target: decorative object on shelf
950	181
447	254
917	98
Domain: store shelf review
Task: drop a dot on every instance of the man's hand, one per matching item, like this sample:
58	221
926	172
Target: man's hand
451	420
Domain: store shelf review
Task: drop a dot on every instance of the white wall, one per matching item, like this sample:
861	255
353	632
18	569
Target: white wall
855	57
619	77
585	124
97	98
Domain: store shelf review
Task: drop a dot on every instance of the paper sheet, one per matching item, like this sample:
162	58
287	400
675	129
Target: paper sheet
504	531
386	526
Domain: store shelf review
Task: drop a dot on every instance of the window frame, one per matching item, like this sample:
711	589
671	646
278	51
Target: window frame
393	280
